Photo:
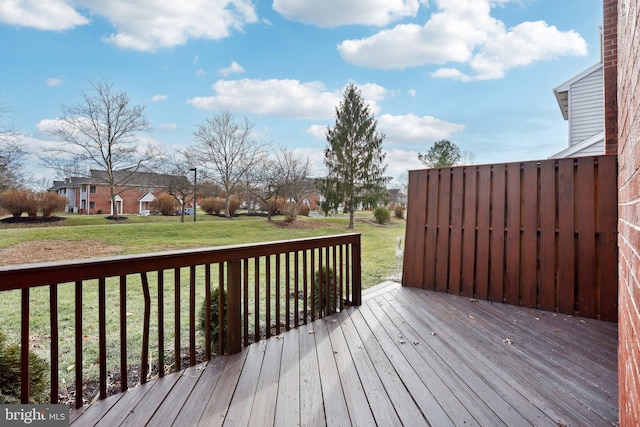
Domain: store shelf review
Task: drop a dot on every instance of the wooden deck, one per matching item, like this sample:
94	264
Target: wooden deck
405	357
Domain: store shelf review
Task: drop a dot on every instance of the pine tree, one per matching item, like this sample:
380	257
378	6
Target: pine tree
353	156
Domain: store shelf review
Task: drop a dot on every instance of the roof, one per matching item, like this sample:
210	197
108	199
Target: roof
574	150
562	91
136	179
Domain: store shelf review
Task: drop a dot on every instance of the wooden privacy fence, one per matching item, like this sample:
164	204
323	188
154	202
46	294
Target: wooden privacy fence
539	234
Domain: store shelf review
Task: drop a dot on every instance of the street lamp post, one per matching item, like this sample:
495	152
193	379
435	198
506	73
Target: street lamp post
195	187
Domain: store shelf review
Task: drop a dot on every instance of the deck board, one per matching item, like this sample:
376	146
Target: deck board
405	357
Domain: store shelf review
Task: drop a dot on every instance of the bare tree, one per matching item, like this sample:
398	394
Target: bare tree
292	180
177	168
100	131
226	148
11	156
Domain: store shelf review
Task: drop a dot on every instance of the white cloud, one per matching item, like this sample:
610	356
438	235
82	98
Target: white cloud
168	126
413	129
412	93
404	129
463	31
284	98
50	15
159	98
233	68
333	13
317	131
200	72
399	162
53	81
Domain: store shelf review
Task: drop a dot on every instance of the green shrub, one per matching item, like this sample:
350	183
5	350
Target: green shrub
399	211
215	315
381	214
10	375
327	303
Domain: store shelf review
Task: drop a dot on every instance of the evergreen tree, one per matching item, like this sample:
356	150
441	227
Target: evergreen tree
353	156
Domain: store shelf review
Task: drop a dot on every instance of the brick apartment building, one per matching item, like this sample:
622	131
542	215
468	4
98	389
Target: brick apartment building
91	194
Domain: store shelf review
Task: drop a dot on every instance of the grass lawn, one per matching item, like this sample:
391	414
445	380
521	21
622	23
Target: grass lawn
153	234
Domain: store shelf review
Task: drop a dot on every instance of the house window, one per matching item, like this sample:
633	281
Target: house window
92	189
92	205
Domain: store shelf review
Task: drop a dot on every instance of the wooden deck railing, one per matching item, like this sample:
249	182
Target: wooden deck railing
270	287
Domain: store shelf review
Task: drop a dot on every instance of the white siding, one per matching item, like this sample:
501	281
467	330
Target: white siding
586	107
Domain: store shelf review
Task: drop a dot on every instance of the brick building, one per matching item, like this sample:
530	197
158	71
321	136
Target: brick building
622	18
136	193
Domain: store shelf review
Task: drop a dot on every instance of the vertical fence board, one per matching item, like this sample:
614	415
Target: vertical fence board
548	252
457	194
512	277
529	261
585	187
429	280
566	236
469	232
607	237
412	269
498	209
483	220
442	241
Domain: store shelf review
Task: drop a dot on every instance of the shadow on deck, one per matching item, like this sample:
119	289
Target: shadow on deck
406	356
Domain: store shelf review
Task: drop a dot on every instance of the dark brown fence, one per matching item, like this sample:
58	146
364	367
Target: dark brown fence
539	234
270	287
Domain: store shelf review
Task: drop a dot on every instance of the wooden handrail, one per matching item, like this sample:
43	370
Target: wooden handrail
302	258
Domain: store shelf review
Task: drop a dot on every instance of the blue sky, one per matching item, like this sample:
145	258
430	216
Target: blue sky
477	72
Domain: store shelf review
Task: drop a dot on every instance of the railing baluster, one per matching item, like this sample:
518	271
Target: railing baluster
341	282
267	296
144	362
256	299
296	277
305	284
348	291
24	349
222	307
234	293
192	315
207	310
161	323
245	302
313	285
278	285
287	279
177	364
53	307
123	334
102	335
79	336
356	272
334	281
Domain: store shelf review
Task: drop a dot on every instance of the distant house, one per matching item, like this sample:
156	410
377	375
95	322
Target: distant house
91	195
581	101
397	197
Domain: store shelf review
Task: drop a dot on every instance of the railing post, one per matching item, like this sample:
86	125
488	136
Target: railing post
356	274
234	307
